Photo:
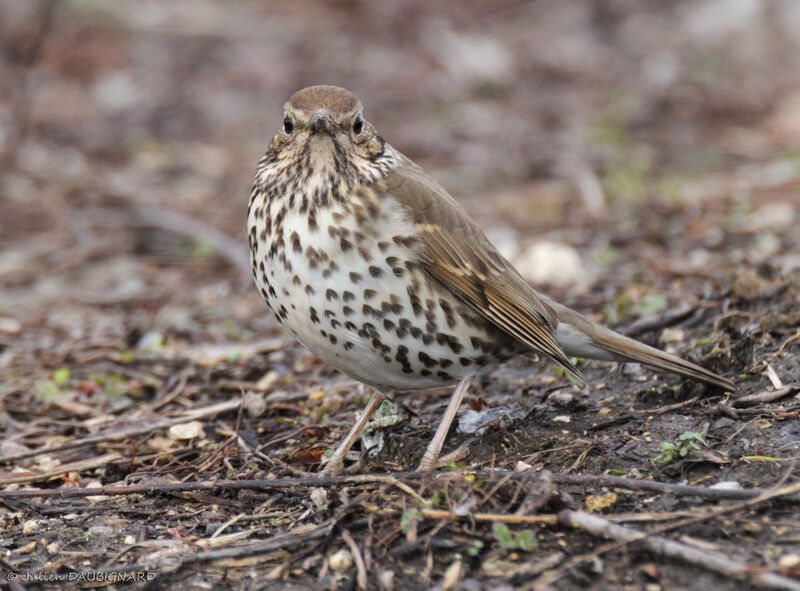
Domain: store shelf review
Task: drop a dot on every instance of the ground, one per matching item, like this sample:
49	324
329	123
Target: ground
653	148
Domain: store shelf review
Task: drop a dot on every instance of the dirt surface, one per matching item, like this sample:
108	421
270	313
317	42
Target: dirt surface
639	161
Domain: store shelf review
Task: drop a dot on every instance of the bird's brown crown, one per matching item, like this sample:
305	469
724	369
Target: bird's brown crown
337	101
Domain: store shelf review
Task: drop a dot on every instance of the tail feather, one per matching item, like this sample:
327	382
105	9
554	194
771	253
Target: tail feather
580	336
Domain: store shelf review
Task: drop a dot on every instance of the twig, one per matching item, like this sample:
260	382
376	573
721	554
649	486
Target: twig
361	576
670	407
598	526
323	481
773	376
547	519
655	486
78	466
115	435
544	583
765	396
652	323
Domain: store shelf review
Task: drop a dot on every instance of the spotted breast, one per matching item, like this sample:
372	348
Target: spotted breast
339	261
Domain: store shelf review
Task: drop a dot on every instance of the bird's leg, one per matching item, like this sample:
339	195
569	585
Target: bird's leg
335	465
428	461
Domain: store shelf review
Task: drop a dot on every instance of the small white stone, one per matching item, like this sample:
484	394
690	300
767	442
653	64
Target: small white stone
340	560
562	397
189	430
319	496
522	466
30	527
672	335
727	485
386	580
789	560
254	404
129	540
52	548
562	419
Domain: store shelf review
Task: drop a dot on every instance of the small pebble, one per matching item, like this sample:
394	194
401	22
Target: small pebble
319	496
340	560
727	485
30	527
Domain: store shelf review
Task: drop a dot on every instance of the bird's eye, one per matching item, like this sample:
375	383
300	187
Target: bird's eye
288	126
358	125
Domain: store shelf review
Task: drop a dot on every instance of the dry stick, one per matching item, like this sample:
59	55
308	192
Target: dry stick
765	396
88	464
546	519
544	582
394	479
361	577
111	435
598	526
276	543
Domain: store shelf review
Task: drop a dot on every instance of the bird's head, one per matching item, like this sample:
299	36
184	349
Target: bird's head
324	129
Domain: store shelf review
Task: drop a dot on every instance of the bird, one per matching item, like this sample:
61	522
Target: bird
377	270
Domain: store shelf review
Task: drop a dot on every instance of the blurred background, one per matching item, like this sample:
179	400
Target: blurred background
636	139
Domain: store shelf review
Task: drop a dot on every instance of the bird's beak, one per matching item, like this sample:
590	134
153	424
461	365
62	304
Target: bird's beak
321	121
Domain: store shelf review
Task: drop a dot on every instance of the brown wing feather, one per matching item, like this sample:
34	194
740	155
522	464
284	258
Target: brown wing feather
458	254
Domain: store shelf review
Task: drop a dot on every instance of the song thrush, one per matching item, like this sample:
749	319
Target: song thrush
378	271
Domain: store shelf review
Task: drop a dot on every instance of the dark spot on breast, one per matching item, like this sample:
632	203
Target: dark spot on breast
355	277
348	311
368	310
388	324
426	359
375	271
348	296
369	294
331	295
465	361
382	246
312	313
296	243
309	290
348	345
